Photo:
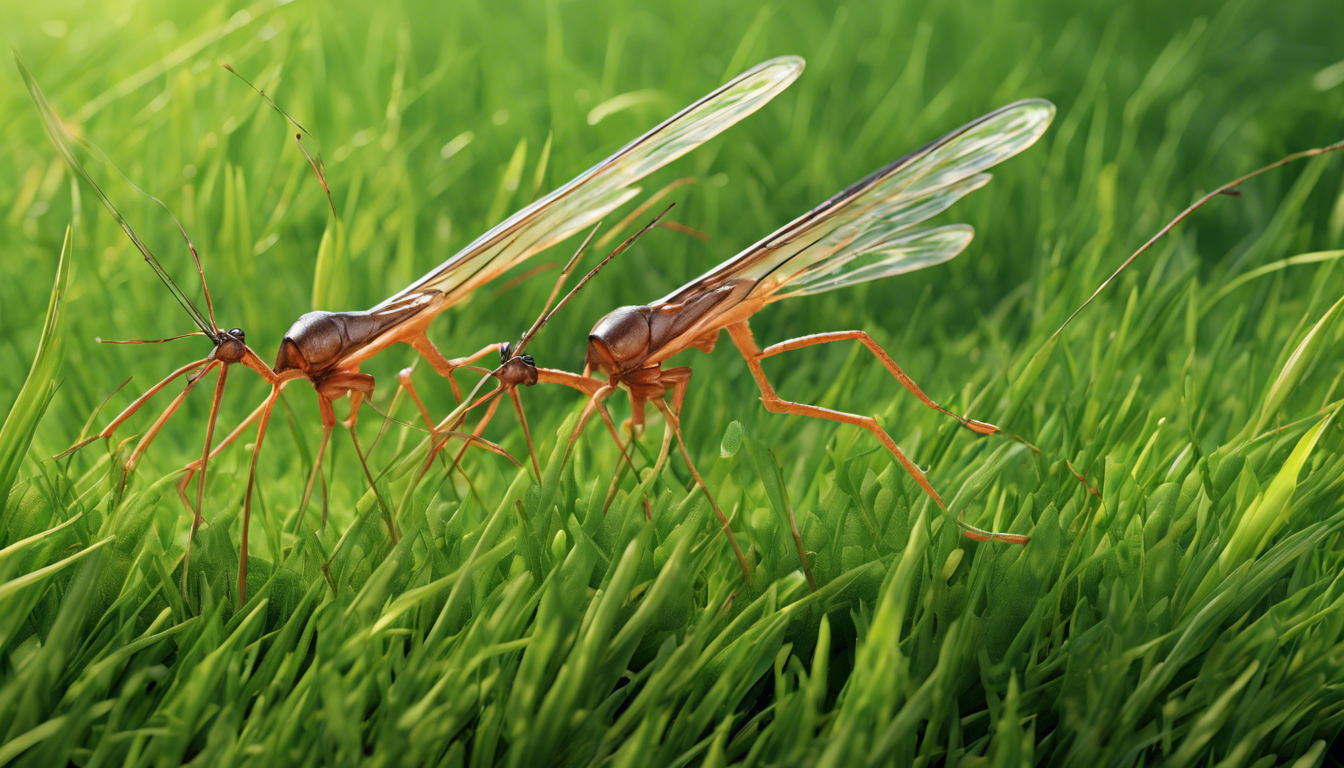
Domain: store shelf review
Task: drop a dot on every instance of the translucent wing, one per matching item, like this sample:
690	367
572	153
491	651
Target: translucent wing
914	249
606	185
867	231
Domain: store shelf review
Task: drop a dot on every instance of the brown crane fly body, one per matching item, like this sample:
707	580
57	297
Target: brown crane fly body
327	348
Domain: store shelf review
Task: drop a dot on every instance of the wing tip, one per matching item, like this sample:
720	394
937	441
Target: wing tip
1044	107
791	67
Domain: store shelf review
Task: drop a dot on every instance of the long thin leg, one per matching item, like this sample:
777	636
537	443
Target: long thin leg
616	438
387	511
313	476
591	387
480	427
527	431
329	421
232	436
659	463
205	457
746	344
614	487
405	383
979	427
356	385
356	399
195	466
437	445
247	495
588	408
133	407
168	412
634	426
595	404
442	365
674	425
405	375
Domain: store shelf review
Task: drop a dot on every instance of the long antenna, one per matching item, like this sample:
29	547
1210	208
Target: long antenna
94	150
58	135
546	316
318	167
1226	189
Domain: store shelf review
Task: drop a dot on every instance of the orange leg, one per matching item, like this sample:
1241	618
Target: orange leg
979	427
356	385
469	439
133	407
313	476
674	425
595	404
392	407
442	365
387	510
247	495
659	463
636	423
634	427
168	412
406	383
746	344
205	457
480	427
585	384
591	387
527	431
195	466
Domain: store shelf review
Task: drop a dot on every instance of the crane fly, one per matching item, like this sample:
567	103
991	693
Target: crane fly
327	348
866	232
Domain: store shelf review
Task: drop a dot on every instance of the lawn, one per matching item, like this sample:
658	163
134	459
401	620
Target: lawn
1179	601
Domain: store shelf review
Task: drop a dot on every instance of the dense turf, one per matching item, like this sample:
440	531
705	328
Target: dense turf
1179	601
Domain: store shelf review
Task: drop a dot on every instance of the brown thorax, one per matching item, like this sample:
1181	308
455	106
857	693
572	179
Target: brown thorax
230	346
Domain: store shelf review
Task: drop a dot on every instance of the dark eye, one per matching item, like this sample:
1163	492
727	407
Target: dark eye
237	333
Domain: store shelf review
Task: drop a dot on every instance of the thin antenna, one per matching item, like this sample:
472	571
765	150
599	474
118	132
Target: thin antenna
57	133
147	341
559	283
102	157
1226	189
541	321
318	167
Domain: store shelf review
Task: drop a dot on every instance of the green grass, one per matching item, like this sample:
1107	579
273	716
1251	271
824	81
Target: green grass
1181	604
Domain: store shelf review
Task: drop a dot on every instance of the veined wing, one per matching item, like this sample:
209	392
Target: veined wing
869	230
606	185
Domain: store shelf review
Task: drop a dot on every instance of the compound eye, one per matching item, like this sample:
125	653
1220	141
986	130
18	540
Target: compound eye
238	334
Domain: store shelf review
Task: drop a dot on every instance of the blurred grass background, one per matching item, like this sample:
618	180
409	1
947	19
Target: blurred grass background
1187	611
